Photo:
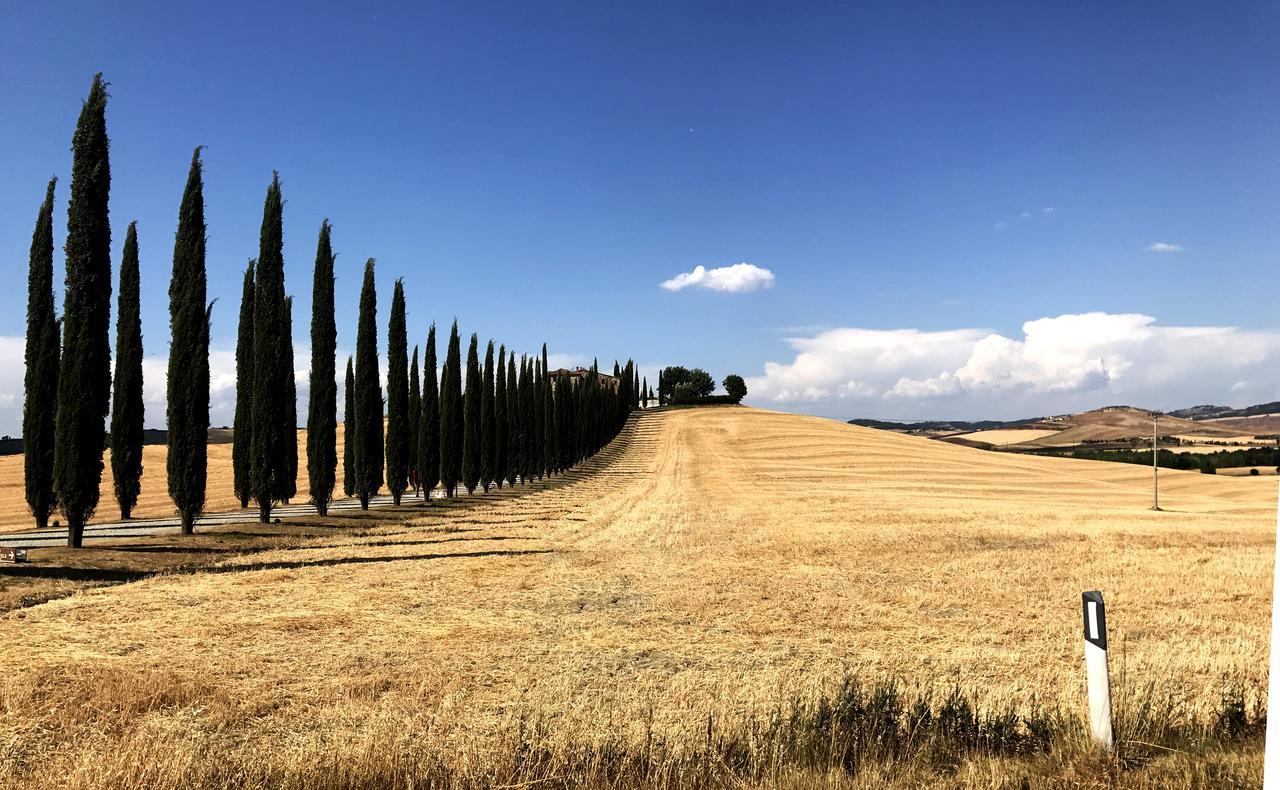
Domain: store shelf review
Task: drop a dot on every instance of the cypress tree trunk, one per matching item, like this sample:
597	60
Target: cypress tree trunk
415	419
290	477
500	419
126	408
451	416
397	397
84	378
471	450
242	429
349	434
368	394
322	400
488	429
429	424
40	385
513	420
188	380
270	417
548	418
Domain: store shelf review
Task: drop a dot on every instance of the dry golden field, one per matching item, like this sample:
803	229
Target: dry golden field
709	566
1006	436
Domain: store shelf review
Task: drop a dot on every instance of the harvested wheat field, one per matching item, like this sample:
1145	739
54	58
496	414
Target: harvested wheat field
667	601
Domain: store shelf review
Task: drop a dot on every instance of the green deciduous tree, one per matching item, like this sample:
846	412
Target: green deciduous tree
429	425
322	399
126	396
735	387
397	397
40	382
84	378
368	394
242	429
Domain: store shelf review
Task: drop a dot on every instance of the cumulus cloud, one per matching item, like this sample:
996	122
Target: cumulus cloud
738	278
1163	246
1058	364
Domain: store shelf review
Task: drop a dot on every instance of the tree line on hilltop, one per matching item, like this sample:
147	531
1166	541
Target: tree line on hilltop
513	422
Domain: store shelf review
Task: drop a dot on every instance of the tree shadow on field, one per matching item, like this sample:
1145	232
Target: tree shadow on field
431	542
293	565
116	575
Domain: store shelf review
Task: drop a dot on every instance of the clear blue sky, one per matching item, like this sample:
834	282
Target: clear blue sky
537	169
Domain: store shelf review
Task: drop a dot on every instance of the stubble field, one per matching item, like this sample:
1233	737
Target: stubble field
707	569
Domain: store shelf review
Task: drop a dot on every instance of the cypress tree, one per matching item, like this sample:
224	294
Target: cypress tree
397	397
635	385
126	405
538	435
349	433
488	429
548	418
429	426
660	371
471	421
644	391
368	394
513	420
269	418
451	433
415	419
40	385
290	405
528	436
242	433
500	419
84	377
322	400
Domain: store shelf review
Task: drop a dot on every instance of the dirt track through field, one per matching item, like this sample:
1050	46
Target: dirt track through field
712	561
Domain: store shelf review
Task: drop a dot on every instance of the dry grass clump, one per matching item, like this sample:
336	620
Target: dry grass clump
721	565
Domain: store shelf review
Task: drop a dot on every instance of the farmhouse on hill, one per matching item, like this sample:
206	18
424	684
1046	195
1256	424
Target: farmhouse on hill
581	374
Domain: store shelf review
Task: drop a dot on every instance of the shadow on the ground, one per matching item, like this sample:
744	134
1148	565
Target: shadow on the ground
291	565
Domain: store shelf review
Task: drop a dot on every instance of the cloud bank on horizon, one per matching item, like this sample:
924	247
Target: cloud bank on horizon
738	278
1059	364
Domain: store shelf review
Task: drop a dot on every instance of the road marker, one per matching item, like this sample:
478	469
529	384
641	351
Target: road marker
1095	660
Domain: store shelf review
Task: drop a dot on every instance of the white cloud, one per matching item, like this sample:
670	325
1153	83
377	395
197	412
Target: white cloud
1163	246
1025	215
738	278
1047	210
1063	363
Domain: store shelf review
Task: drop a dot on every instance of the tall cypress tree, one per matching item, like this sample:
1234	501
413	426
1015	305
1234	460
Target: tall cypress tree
548	418
397	397
488	429
471	450
415	418
644	391
536	396
268	462
349	434
84	377
528	438
500	419
188	381
40	385
290	479
322	400
513	420
368	394
126	397
451	432
429	424
242	429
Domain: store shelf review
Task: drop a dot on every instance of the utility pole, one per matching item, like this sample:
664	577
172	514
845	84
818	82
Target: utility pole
1155	458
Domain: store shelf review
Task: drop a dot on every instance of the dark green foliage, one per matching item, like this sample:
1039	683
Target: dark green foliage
397	397
349	433
429	425
735	387
635	387
548	410
682	398
84	377
126	397
644	392
290	404
513	420
700	383
322	401
242	436
488	428
271	432
662	392
1207	463
415	420
451	432
500	426
528	437
564	398
536	428
188	379
471	450
40	385
368	434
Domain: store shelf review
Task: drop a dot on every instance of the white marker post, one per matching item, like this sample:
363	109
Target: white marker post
1095	661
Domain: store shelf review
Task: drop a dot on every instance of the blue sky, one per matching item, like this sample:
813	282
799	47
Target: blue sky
539	169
